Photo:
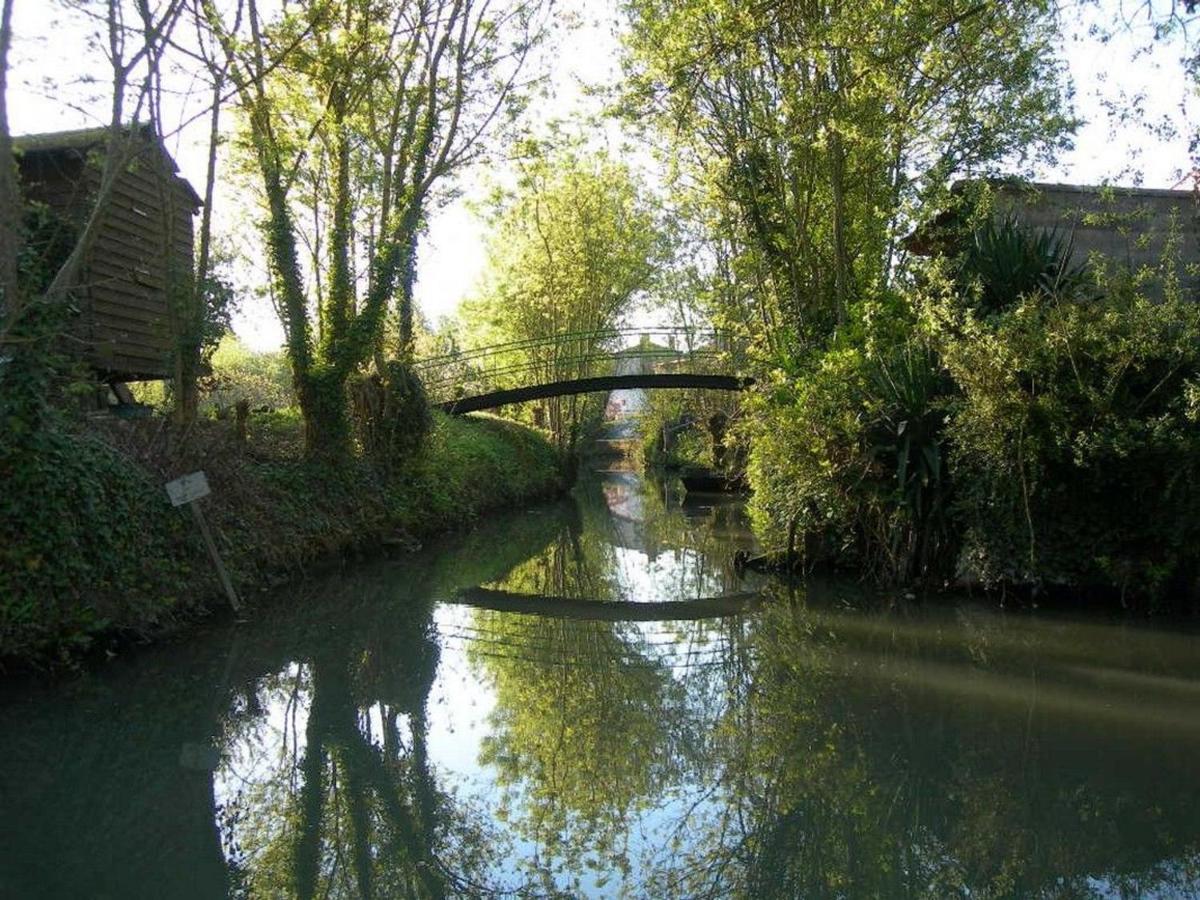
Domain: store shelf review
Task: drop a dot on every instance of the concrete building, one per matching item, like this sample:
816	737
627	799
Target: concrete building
1110	226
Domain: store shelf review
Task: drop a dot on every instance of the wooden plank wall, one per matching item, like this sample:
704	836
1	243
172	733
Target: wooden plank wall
145	245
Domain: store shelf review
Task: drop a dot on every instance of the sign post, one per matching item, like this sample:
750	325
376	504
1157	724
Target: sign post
186	491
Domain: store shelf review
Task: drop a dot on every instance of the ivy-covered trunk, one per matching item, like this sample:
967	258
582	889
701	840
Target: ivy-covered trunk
322	395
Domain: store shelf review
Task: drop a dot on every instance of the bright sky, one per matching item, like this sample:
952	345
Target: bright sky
451	257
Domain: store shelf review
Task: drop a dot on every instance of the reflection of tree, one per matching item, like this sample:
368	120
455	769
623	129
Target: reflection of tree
587	730
805	750
353	808
690	546
576	562
594	721
845	776
358	819
385	801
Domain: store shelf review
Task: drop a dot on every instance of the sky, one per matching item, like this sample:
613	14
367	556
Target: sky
51	53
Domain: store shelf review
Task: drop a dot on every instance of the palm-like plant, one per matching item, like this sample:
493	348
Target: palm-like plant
905	439
1010	261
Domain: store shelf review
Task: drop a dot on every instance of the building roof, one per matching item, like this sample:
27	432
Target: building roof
83	139
1062	188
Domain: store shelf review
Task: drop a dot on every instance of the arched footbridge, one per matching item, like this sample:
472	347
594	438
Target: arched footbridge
463	381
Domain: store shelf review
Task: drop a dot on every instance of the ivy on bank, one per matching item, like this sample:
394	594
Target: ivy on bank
90	548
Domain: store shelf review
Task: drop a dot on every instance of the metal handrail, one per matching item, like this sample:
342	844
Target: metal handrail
482	381
565	337
449	373
526	365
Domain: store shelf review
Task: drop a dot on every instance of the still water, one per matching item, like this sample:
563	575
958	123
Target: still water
584	699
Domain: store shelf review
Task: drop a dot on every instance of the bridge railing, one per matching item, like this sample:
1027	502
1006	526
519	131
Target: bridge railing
467	372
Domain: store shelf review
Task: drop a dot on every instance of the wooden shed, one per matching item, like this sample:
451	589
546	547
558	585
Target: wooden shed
142	254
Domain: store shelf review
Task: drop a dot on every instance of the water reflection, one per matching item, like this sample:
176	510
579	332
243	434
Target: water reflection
372	737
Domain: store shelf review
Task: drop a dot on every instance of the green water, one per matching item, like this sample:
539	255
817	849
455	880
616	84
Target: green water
379	732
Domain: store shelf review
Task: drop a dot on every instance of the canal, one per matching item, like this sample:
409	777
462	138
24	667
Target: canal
492	716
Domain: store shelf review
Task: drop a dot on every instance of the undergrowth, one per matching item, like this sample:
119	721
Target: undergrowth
90	548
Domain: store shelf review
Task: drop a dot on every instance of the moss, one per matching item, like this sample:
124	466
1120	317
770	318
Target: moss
90	549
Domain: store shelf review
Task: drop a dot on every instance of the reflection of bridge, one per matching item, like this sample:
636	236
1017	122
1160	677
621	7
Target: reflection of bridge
465	381
608	610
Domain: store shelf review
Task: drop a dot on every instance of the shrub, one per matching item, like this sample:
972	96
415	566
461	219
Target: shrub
852	452
1076	448
90	547
239	373
1006	261
673	427
391	413
88	541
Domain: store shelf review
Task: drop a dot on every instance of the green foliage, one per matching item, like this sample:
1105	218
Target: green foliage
1076	449
391	414
239	373
33	368
853	454
1050	437
217	302
570	251
806	133
87	542
49	240
1009	261
674	430
90	546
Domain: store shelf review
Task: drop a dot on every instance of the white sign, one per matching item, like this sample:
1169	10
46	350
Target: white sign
188	488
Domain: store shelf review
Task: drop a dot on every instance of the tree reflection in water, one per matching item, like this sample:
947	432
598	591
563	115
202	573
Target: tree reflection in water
822	744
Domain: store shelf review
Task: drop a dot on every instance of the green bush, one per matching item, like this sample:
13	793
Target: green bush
1075	439
1051	438
852	453
90	546
87	542
1006	261
675	429
239	373
390	413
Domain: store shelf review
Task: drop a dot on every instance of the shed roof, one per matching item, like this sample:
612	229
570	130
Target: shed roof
924	240
84	139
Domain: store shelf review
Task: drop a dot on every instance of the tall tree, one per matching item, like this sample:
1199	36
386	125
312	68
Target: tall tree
811	124
572	247
355	111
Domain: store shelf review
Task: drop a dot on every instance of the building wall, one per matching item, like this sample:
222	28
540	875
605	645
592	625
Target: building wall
143	253
1123	226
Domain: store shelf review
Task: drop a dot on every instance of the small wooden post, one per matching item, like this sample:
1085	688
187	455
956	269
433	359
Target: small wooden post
186	491
241	416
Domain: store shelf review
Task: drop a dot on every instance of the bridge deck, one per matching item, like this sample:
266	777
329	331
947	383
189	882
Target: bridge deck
677	380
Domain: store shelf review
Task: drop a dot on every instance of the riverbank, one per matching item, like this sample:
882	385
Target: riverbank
93	555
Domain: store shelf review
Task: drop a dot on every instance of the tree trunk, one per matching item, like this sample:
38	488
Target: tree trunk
408	277
322	396
189	346
10	192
